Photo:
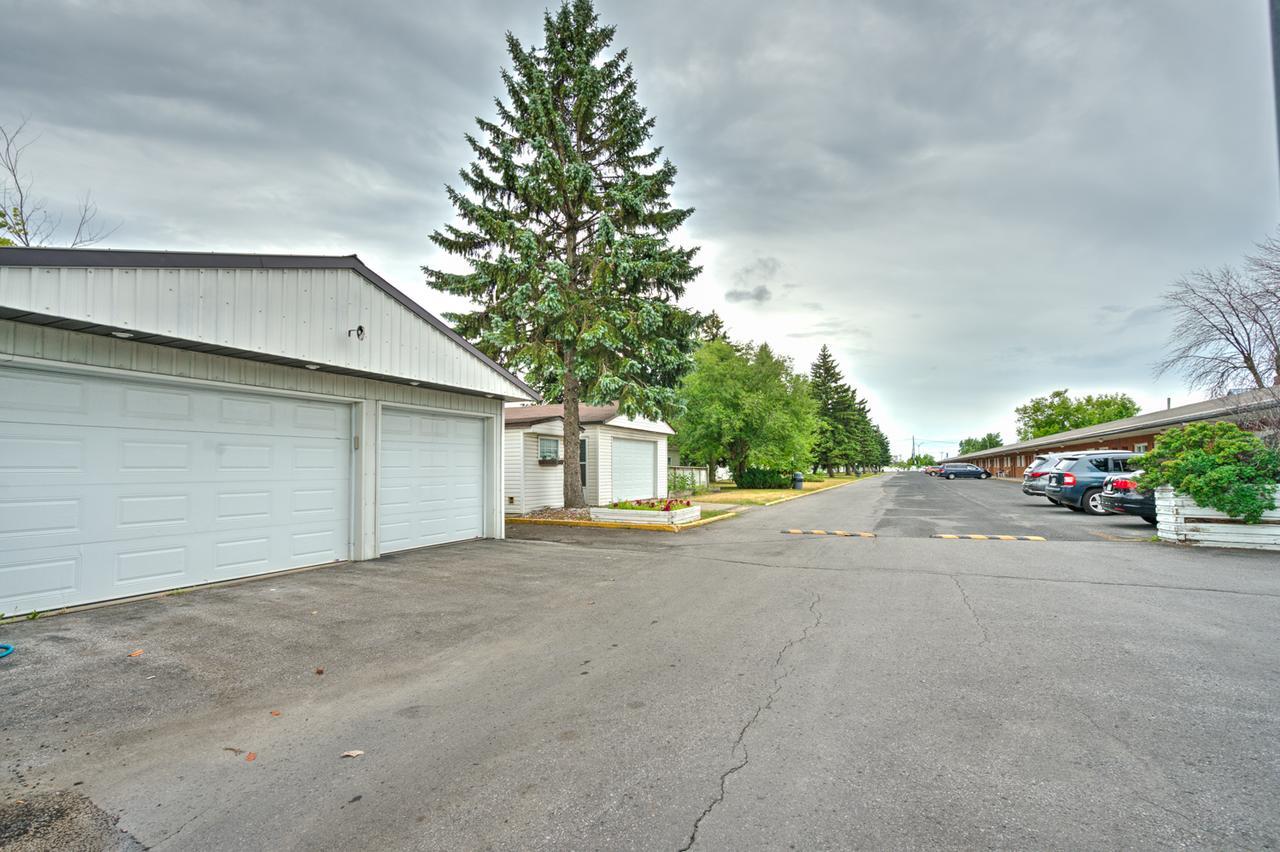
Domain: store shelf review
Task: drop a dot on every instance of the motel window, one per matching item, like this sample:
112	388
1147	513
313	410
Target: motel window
1139	448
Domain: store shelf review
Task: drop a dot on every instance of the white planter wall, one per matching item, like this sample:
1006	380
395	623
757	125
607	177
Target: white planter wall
1181	519
633	516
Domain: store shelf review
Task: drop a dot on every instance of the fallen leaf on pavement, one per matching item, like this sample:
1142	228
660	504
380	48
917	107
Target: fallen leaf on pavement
352	753
253	755
136	653
236	751
320	670
275	712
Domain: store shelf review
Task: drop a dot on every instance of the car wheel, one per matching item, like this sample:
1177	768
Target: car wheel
985	476
1092	502
951	476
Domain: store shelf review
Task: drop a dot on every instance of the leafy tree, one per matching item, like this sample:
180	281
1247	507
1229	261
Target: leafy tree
1058	412
565	221
989	441
921	460
1216	464
745	407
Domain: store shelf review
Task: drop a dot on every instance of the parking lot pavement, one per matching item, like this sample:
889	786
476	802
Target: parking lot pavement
732	687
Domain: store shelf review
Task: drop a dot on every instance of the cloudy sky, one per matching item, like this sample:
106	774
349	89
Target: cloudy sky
971	203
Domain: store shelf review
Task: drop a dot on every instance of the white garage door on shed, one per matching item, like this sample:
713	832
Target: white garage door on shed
633	469
112	487
431	475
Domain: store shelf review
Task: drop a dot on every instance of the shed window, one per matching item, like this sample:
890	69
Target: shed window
548	449
582	460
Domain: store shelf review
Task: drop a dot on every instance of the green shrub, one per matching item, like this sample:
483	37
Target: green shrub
679	483
1218	465
759	477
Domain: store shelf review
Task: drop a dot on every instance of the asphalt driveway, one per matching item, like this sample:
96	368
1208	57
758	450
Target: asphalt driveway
726	688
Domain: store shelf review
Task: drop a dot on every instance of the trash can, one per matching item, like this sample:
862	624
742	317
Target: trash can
797	481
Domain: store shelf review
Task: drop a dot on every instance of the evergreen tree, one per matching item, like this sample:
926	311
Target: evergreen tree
565	222
837	414
713	328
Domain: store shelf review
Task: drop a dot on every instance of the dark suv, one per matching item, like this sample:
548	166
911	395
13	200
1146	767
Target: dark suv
1034	477
1076	479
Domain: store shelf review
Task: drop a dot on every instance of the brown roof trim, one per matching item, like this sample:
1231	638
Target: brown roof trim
130	258
527	415
1209	409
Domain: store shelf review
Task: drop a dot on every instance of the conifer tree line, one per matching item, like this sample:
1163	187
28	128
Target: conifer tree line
847	438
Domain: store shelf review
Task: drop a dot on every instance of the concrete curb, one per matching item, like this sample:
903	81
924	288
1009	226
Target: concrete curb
616	525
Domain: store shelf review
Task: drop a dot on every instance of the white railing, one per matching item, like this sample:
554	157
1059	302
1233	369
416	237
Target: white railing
1181	519
698	474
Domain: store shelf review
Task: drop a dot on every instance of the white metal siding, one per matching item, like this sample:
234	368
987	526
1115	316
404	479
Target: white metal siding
70	349
533	485
430	479
543	484
512	472
295	313
113	487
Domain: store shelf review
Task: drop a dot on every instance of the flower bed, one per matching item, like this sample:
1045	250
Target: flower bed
1181	519
647	512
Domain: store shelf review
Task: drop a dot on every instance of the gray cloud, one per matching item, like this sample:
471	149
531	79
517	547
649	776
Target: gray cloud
949	177
758	294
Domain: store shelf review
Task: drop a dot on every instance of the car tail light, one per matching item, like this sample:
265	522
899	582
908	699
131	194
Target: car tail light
1124	485
1068	479
1036	474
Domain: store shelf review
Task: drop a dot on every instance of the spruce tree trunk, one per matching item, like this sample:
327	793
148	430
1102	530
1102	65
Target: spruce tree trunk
573	496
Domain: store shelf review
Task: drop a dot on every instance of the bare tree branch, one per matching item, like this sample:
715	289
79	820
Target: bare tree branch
25	219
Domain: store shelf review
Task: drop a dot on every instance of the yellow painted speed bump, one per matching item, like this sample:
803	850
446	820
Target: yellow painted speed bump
993	537
840	533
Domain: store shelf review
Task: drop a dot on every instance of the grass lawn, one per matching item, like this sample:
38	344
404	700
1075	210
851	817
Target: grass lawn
730	493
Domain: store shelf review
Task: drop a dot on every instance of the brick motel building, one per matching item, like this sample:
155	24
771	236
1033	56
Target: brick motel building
1137	434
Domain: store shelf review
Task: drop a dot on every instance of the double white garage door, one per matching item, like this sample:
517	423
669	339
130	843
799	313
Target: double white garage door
111	488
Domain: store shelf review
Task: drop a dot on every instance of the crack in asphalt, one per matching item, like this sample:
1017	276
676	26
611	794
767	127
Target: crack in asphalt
964	596
740	741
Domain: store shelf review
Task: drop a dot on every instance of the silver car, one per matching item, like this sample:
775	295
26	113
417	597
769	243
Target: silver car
1034	478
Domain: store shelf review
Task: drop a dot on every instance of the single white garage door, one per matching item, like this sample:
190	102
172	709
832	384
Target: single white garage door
633	469
430	479
113	487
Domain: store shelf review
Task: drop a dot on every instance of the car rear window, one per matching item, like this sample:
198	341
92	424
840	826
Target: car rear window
1064	463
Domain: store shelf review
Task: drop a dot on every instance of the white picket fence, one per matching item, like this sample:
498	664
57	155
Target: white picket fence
1181	519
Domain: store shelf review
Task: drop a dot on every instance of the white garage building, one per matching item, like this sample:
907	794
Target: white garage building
169	419
620	457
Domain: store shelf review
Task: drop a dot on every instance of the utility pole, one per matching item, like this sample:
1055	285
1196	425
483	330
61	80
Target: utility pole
1275	67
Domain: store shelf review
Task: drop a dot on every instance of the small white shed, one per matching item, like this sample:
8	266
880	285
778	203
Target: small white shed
622	458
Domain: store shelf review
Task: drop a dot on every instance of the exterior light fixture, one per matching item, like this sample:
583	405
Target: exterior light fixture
123	335
312	366
357	332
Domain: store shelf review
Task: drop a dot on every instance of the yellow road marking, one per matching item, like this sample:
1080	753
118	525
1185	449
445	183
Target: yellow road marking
841	533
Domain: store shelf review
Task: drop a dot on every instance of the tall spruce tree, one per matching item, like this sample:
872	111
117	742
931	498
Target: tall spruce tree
837	413
566	220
